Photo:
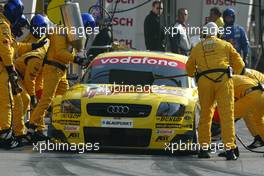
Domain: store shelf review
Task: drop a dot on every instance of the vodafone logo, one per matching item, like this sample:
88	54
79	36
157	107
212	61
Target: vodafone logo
140	60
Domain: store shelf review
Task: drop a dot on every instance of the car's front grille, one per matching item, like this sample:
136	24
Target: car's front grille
118	137
118	110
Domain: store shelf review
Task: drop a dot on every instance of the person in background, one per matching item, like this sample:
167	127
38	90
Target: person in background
235	34
181	43
216	16
2	7
153	32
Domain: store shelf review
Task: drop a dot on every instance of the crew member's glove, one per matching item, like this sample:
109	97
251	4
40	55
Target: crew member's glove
79	60
33	101
13	78
39	44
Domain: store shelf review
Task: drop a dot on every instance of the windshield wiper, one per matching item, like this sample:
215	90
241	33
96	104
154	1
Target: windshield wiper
171	78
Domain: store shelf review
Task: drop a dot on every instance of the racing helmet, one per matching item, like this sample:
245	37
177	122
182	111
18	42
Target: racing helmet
38	25
17	28
88	20
229	12
210	29
13	10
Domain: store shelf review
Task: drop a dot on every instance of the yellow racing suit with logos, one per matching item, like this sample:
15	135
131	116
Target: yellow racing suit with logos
210	62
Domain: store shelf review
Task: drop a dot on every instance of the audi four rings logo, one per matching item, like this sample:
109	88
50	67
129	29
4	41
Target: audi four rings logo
117	109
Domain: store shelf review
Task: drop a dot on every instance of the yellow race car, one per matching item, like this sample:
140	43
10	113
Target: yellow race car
129	99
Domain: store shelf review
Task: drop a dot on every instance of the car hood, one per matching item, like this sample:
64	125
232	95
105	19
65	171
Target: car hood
105	92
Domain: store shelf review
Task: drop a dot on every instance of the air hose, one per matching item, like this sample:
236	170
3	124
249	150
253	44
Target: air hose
121	11
243	144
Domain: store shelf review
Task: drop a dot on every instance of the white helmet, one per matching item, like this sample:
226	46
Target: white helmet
210	29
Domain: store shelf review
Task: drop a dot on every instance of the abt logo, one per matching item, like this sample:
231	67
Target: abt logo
74	135
162	139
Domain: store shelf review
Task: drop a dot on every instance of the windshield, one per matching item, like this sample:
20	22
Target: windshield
99	71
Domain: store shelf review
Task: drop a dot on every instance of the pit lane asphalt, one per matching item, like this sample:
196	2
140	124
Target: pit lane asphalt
26	162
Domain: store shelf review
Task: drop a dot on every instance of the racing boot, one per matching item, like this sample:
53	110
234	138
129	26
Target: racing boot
7	140
230	155
34	136
31	129
258	142
27	125
39	136
203	154
22	140
236	152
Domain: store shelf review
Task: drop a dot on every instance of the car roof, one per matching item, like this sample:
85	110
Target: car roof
151	54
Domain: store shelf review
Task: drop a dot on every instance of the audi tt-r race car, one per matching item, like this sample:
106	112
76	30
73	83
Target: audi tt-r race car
129	100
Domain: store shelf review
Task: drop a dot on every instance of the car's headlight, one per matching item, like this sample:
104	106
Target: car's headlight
171	110
71	106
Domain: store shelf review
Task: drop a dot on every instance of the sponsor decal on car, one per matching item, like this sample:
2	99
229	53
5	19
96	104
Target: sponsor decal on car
167	125
169	119
74	135
162	139
91	92
179	93
71	116
71	128
164	131
188	112
187	118
66	122
140	60
117	123
187	126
